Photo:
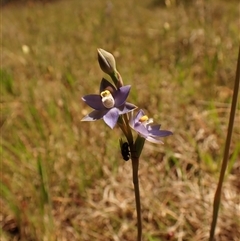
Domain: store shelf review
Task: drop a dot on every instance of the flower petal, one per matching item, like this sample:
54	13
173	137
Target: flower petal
160	133
111	117
141	129
154	130
121	95
106	85
139	115
94	115
94	101
126	108
154	140
154	127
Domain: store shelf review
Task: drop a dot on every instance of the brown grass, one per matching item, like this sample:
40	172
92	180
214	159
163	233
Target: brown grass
180	59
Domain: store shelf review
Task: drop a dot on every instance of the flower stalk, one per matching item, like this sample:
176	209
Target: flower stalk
135	165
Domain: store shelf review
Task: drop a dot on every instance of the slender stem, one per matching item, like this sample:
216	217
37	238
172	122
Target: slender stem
135	164
129	136
217	197
124	125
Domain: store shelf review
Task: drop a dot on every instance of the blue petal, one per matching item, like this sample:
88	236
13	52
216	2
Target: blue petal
111	117
105	84
141	129
154	127
160	133
94	115
94	101
121	95
139	115
154	140
126	108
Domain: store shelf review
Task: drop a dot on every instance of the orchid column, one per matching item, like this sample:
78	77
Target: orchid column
111	106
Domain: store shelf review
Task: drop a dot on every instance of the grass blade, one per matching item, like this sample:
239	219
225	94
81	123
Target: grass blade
217	197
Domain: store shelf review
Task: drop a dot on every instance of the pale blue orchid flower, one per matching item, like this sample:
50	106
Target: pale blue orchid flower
109	104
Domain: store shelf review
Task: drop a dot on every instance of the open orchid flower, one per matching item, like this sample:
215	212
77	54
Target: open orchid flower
109	104
145	128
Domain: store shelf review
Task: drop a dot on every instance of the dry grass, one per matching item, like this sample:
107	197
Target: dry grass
64	180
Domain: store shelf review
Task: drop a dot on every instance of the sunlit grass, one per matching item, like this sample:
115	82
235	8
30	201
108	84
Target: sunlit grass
64	179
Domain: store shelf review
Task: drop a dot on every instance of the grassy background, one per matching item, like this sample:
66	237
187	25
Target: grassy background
62	179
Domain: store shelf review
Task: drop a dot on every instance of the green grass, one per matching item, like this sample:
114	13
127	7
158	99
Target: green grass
62	179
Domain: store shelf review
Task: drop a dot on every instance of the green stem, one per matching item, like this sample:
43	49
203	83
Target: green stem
124	125
135	164
217	197
129	136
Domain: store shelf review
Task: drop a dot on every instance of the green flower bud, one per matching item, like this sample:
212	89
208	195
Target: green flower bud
106	61
139	144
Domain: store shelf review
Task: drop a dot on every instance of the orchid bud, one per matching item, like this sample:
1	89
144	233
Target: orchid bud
106	61
139	144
